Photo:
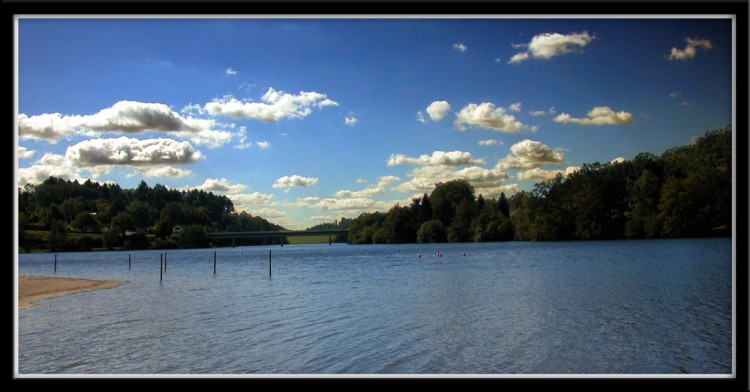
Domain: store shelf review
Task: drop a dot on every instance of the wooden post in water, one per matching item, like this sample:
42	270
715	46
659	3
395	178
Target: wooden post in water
214	262
161	268
165	261
269	263
329	239
55	263
128	261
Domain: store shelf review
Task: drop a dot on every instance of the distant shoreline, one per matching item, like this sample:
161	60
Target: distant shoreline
32	289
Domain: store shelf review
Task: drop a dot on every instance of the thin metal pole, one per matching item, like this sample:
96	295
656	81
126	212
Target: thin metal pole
128	261
55	262
269	263
214	262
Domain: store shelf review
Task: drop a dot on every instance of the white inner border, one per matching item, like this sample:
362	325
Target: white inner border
733	18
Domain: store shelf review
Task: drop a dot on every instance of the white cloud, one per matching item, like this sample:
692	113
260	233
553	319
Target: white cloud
322	218
344	204
518	45
122	117
485	115
370	191
438	109
230	71
489	142
423	179
617	160
497	60
438	158
548	45
160	171
243	146
684	103
460	46
675	94
689	51
263	145
268	213
539	175
360	181
294	181
350	121
49	165
529	154
600	115
537	113
133	152
515	107
420	117
23	152
220	185
275	105
518	58
240	200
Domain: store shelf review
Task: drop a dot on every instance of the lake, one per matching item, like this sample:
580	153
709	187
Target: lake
599	307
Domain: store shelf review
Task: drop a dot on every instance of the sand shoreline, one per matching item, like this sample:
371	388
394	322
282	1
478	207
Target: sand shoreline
32	289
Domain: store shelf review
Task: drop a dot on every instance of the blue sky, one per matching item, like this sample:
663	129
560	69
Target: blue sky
303	121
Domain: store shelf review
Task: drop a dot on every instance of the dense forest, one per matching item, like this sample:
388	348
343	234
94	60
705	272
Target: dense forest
66	215
685	192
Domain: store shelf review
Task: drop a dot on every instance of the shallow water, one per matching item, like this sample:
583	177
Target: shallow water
612	307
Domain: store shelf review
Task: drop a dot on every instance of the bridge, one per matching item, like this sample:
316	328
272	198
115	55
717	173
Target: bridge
281	234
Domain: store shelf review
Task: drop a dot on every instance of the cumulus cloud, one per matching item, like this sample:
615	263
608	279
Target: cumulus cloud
230	71
243	146
322	218
220	185
438	109
240	200
485	115
268	213
275	106
460	46
160	172
617	160
423	179
438	158
357	204
489	142
600	115
689	51
515	107
350	121
539	175
294	181
122	117
133	152
548	45
537	113
23	152
263	145
370	191
529	154
519	58
360	181
49	165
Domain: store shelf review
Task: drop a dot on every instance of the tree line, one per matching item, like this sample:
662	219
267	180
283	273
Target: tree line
67	215
685	192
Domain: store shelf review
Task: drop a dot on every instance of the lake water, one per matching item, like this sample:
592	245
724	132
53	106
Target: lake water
611	307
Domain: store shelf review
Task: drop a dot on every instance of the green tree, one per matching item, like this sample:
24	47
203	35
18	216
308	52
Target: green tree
192	236
431	231
85	222
57	235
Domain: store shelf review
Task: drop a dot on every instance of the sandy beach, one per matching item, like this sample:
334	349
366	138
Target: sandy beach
36	288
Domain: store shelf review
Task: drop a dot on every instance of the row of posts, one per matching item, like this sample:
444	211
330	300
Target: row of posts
163	264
